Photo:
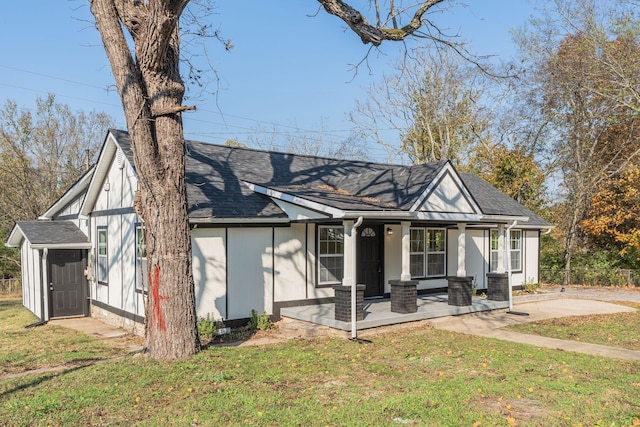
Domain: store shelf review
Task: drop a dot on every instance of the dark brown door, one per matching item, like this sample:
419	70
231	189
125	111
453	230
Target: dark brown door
370	259
67	283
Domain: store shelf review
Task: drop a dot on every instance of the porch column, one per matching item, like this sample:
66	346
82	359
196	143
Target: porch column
406	251
349	273
501	257
462	241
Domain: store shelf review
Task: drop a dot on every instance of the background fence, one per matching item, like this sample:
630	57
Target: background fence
590	276
10	286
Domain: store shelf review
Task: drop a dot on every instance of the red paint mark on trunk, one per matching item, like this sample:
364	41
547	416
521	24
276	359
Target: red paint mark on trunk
154	284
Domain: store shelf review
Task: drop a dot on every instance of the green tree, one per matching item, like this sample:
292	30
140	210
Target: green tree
574	54
42	153
613	218
512	170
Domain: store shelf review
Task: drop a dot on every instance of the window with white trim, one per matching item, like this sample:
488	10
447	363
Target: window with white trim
428	252
102	260
515	248
142	279
330	254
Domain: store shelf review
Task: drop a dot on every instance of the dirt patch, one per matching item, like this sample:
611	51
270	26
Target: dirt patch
517	410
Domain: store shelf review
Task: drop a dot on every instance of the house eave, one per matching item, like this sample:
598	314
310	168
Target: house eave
296	200
83	245
212	220
503	218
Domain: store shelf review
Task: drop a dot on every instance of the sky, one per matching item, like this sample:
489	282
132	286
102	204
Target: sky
289	71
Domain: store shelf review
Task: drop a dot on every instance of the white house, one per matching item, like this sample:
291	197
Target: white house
272	230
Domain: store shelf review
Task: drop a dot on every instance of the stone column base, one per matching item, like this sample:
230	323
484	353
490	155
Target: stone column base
343	302
498	286
459	291
404	296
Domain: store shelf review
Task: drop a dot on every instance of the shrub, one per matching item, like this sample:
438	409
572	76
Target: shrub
260	322
208	326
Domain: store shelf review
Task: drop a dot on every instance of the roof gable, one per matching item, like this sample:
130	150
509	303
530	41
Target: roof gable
75	192
446	194
117	147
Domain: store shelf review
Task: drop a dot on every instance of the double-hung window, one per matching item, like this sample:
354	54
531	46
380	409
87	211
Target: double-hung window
102	259
515	250
330	254
428	252
142	279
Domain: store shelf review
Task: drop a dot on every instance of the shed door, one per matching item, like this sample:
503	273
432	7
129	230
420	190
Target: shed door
67	283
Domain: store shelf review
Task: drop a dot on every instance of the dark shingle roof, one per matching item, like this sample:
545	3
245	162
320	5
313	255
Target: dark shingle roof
52	232
494	202
216	175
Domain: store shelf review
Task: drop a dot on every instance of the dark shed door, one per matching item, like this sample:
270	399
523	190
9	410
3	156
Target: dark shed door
67	283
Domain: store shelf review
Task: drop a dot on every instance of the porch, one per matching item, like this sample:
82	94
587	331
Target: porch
377	312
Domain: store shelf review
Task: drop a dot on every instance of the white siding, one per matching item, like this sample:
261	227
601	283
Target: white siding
250	271
128	262
290	270
477	257
209	271
530	259
31	279
447	198
72	208
392	255
121	246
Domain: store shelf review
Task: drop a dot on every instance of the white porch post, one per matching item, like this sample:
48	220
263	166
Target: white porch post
501	257
406	251
462	250
348	277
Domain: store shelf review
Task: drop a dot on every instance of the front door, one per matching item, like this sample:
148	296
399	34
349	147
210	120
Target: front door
67	283
370	259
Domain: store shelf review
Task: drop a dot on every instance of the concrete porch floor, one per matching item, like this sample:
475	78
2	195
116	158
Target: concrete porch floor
377	312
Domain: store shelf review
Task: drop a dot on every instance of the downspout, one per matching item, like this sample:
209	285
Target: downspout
354	322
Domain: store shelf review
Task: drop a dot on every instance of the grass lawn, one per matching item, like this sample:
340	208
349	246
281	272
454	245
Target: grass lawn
615	330
411	377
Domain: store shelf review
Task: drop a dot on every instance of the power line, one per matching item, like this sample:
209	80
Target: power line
212	134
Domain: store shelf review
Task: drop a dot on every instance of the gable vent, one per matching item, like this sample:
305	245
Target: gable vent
120	159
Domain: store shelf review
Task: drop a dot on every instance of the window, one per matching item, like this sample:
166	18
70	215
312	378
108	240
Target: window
427	252
103	258
142	279
493	257
330	254
515	248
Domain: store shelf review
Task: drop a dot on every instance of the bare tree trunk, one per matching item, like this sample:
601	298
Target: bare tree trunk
151	83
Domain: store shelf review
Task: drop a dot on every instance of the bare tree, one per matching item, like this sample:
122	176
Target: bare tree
438	104
148	79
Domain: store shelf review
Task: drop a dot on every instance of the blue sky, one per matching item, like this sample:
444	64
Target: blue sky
289	68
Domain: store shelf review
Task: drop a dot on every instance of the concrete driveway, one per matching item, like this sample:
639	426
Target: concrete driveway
490	324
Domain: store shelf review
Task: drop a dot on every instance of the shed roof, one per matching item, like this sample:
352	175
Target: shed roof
48	234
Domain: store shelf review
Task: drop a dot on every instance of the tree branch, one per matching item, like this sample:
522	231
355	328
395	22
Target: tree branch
372	34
